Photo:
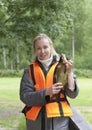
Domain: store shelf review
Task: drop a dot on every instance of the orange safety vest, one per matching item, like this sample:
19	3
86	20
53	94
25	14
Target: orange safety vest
52	108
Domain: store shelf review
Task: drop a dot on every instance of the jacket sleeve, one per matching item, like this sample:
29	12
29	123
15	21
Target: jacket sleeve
70	93
28	95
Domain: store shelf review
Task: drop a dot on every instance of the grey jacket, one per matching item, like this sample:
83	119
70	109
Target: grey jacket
30	97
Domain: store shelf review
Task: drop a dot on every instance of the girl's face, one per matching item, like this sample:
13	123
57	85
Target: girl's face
43	49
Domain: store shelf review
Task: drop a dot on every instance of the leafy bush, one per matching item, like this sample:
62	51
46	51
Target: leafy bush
83	62
14	73
11	73
83	73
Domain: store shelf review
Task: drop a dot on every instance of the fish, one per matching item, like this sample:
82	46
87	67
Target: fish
60	71
60	74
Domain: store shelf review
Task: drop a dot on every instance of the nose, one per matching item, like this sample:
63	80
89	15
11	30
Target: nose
42	50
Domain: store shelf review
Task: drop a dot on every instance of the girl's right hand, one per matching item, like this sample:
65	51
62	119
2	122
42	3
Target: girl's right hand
54	89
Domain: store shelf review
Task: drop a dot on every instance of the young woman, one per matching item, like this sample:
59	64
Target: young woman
38	86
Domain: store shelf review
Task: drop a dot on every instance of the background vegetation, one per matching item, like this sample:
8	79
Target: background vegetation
66	22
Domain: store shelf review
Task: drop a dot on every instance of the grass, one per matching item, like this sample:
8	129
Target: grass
83	102
84	97
9	88
10	104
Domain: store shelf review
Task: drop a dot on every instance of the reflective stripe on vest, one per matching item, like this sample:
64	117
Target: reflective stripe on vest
52	109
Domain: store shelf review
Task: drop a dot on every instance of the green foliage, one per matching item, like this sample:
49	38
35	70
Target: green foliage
10	73
83	73
84	61
23	21
62	20
33	17
80	72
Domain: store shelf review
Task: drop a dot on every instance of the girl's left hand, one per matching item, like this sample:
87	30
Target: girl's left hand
69	66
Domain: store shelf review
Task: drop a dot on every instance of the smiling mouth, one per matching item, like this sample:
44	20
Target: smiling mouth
43	56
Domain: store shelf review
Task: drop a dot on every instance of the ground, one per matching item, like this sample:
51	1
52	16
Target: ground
11	115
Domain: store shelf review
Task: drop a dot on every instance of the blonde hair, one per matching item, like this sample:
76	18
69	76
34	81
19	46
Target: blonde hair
44	36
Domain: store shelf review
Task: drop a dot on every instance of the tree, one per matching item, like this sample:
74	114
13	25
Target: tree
26	19
87	53
22	20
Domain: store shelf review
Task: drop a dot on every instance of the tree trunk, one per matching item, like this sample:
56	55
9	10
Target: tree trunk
17	57
4	58
73	44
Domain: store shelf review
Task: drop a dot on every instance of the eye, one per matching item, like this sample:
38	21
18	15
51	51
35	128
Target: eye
38	48
45	47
